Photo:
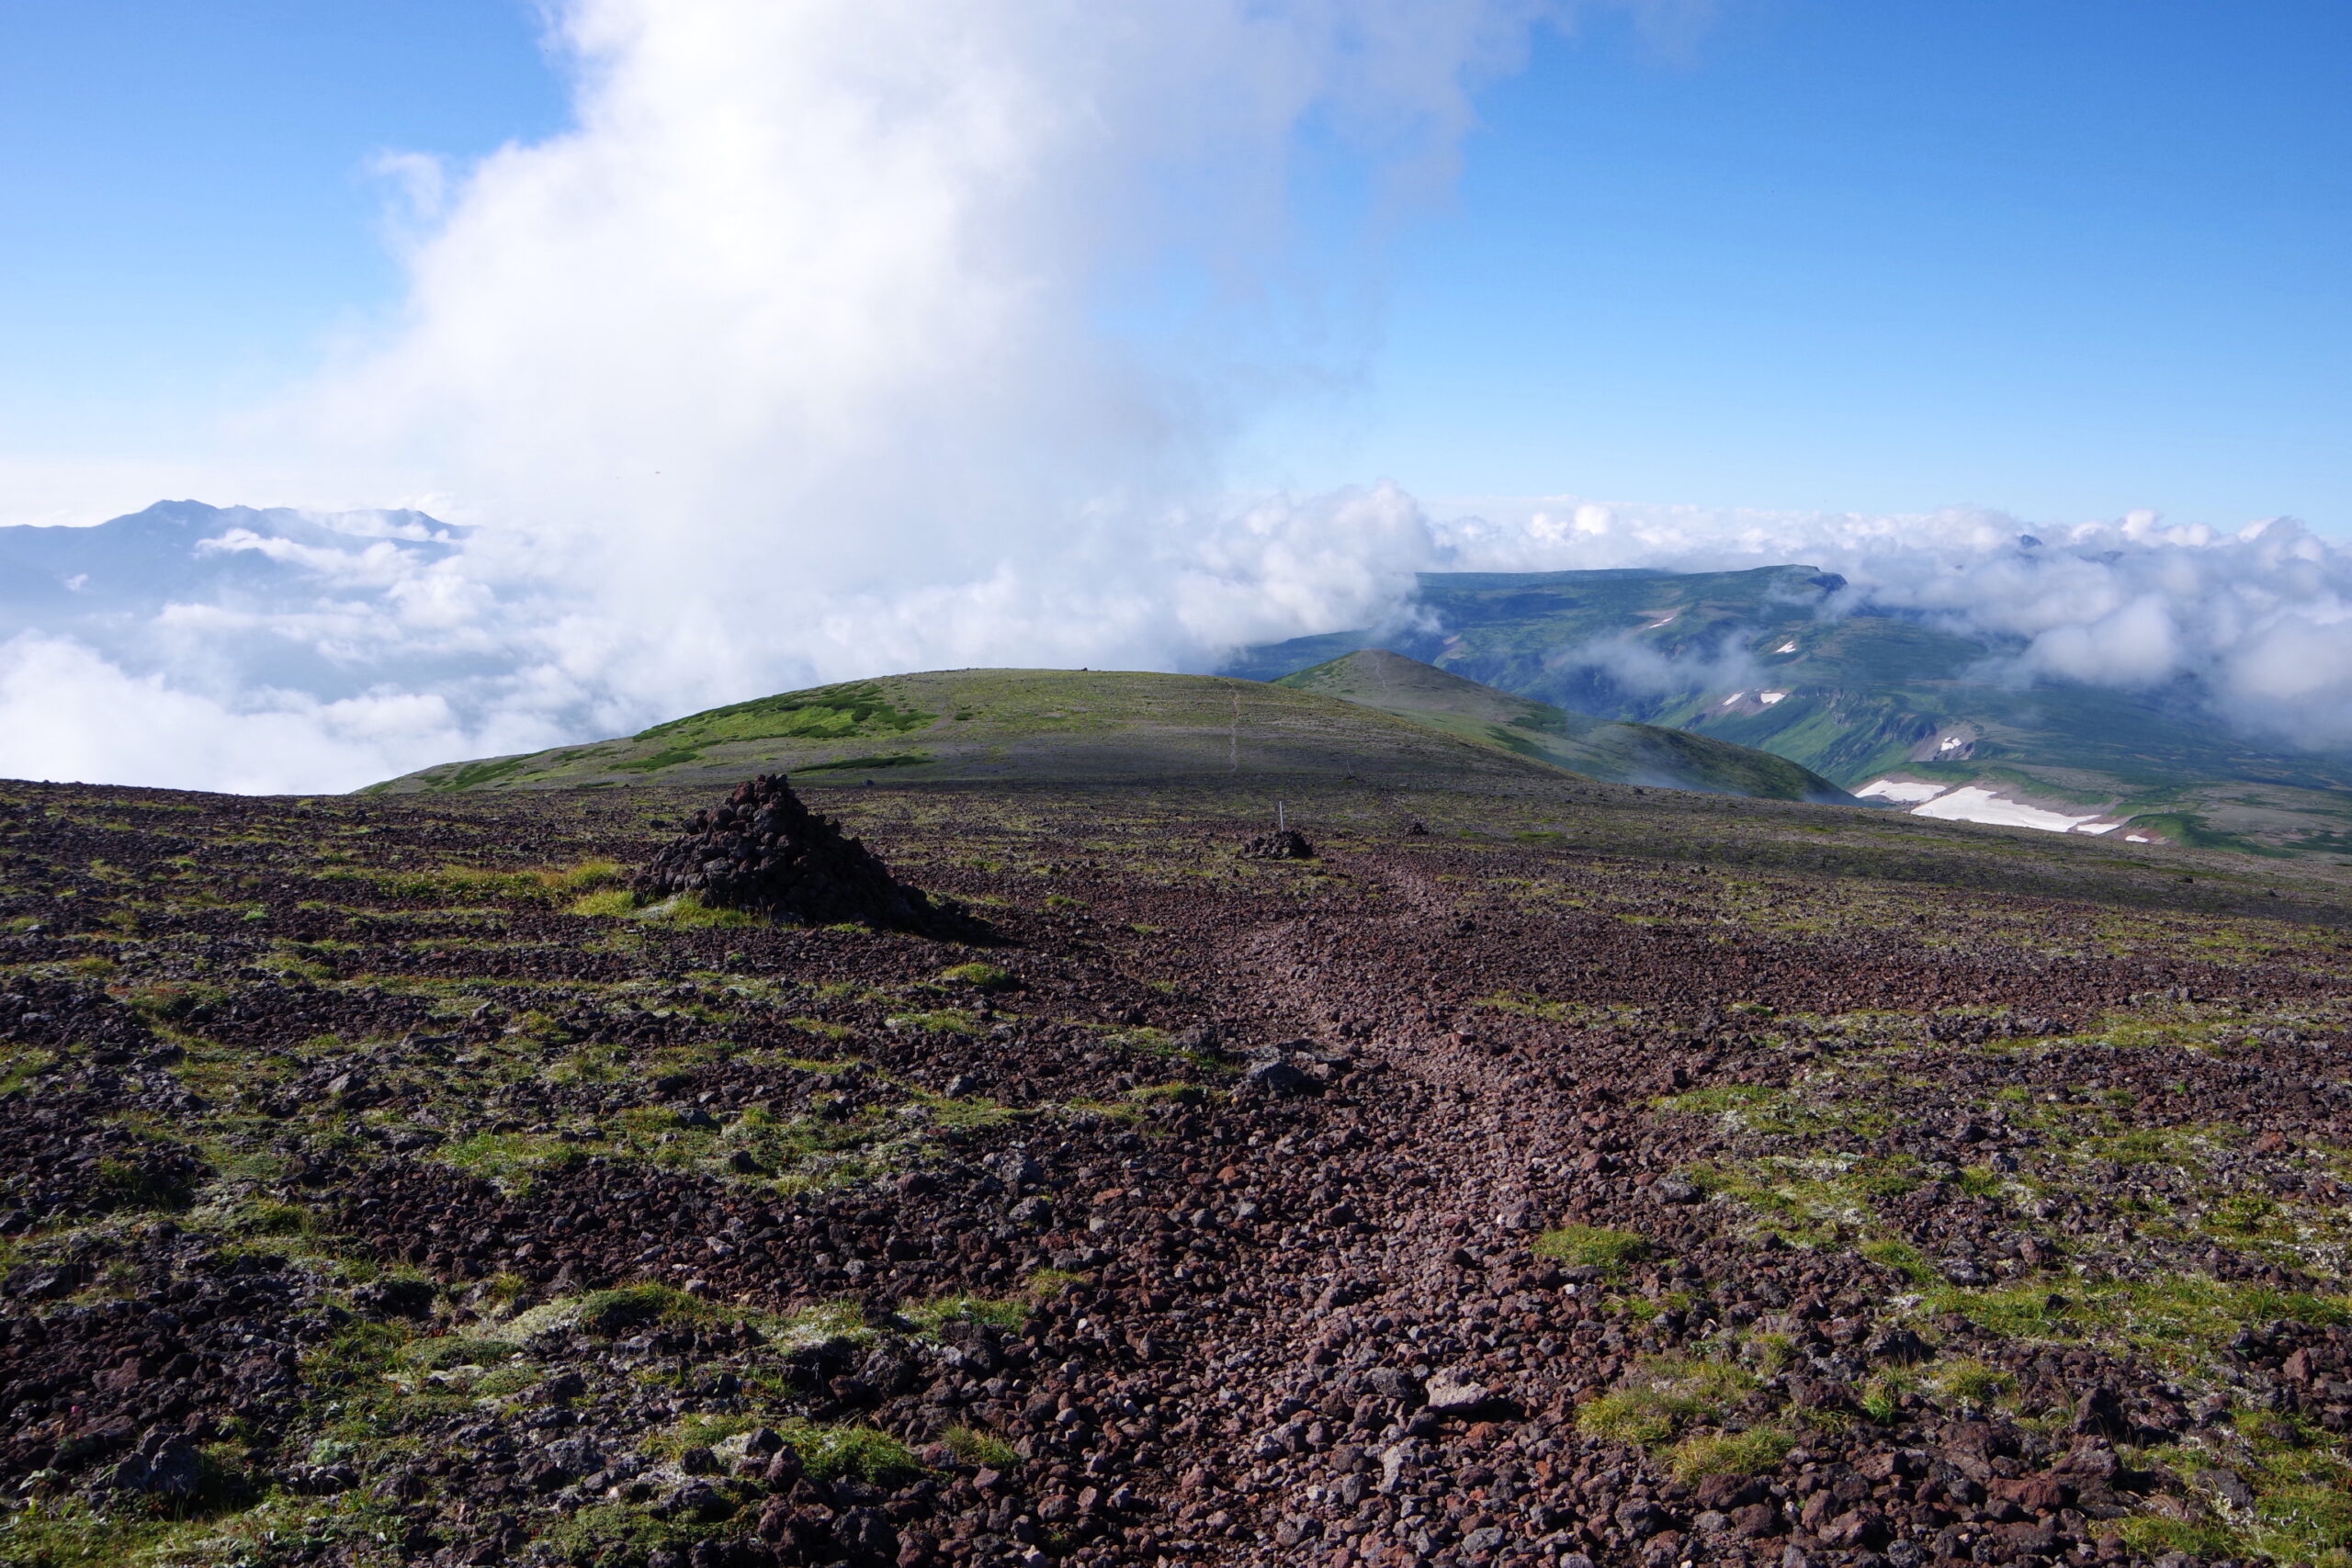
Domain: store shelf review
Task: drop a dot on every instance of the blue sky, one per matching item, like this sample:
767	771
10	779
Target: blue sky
187	210
2065	259
2062	259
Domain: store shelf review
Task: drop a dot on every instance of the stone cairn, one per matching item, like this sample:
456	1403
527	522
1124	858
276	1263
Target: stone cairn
1286	843
766	851
1282	843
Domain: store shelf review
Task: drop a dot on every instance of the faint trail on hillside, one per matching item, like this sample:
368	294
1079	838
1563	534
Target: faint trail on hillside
1486	1135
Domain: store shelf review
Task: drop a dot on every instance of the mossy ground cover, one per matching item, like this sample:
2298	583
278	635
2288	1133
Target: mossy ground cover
2100	1206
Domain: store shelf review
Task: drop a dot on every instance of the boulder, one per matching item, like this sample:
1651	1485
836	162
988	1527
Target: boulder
164	1466
1450	1395
1277	1077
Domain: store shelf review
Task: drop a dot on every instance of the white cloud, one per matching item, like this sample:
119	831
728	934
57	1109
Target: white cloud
791	358
74	716
789	362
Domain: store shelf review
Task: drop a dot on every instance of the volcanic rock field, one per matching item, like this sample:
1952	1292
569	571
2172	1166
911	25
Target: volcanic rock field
1603	1179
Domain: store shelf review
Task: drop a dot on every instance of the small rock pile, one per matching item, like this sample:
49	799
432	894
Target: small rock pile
765	851
1286	844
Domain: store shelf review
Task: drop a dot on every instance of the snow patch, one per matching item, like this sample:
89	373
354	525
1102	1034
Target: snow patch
1974	803
1788	646
1769	698
1904	790
1733	698
1950	741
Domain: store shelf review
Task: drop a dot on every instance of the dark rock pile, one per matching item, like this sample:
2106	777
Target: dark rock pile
1285	843
766	851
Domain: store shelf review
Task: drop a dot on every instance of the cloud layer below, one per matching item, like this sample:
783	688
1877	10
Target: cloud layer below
346	655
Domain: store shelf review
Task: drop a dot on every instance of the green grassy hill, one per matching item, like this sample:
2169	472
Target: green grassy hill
1597	748
1766	661
1079	726
1011	725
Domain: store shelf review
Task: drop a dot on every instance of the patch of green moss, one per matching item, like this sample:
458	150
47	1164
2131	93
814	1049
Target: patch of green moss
939	1020
627	1307
1043	1285
511	1158
622	1532
982	976
1783	1112
1664	1396
689	911
611	902
1591	1247
1903	1258
975	1446
2181	1321
930	1317
1730	1454
863	1453
266	1217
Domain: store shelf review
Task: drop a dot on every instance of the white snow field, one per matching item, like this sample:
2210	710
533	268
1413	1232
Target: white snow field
1904	790
1974	803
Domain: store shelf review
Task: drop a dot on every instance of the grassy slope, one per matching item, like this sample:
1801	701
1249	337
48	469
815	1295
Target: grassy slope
1867	695
1600	749
1012	726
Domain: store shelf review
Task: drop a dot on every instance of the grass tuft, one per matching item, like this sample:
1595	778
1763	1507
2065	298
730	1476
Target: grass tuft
1043	1284
982	976
860	1453
931	1317
975	1446
1591	1247
1730	1454
1667	1394
629	1307
610	901
688	911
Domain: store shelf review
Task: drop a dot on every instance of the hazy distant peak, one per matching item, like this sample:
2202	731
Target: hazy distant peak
197	518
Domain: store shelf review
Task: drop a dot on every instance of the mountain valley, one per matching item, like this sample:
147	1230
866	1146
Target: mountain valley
1785	660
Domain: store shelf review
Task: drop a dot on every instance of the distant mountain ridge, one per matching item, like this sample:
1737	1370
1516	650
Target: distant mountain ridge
1777	658
177	551
235	600
1609	749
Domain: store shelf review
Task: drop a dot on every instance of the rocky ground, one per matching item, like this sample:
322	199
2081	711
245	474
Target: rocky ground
385	1181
